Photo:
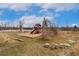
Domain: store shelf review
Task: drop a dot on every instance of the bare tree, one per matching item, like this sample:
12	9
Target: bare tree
48	29
21	22
44	29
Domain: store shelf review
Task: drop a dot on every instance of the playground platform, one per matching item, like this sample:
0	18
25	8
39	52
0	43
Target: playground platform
30	35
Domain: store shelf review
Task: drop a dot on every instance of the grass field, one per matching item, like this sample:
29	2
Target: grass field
10	46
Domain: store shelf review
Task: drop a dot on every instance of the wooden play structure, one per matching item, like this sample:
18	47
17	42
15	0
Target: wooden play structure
37	29
47	29
36	32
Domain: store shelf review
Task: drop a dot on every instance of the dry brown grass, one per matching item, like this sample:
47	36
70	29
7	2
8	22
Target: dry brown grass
33	46
30	35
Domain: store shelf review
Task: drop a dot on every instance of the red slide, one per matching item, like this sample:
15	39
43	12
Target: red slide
37	29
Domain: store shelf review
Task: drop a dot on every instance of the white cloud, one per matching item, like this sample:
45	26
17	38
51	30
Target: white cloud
33	19
30	21
8	23
59	6
72	25
3	22
66	7
15	6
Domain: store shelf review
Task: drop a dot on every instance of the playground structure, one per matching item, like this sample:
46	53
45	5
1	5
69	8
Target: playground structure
47	29
37	29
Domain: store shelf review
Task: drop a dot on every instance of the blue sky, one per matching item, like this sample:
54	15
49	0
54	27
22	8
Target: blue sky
63	14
